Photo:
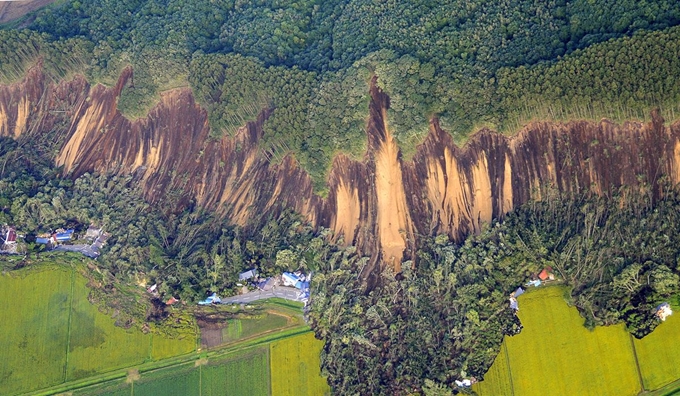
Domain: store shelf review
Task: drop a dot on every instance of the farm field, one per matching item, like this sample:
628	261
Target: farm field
237	374
243	328
34	329
555	355
51	334
95	344
182	380
295	365
658	354
54	336
259	319
498	380
250	371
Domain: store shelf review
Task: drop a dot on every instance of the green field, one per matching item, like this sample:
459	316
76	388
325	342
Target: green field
182	380
243	374
555	355
53	336
34	325
289	366
50	333
659	354
244	328
295	366
232	374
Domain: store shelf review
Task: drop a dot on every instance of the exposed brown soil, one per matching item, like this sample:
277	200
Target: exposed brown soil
157	311
210	326
381	204
11	10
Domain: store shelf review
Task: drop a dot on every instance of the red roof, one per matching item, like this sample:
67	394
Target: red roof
543	275
171	301
11	236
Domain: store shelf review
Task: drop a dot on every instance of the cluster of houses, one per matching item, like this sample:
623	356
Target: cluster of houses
89	243
59	236
296	279
545	276
289	285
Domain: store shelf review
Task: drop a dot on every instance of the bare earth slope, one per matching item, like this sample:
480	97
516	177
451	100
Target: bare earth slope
382	204
11	10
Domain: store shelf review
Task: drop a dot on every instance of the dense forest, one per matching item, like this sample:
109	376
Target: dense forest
468	63
471	64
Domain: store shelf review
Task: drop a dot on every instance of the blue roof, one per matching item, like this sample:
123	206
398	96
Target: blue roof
291	276
519	292
66	235
514	305
42	240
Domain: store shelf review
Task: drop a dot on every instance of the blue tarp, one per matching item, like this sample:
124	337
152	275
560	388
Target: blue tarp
213	299
302	285
514	305
44	241
519	292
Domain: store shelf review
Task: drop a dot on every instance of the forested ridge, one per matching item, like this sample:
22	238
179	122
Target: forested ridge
467	63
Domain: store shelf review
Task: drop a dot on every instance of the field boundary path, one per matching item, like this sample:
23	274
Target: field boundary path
637	364
507	359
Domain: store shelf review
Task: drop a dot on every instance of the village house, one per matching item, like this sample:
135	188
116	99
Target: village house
9	240
247	275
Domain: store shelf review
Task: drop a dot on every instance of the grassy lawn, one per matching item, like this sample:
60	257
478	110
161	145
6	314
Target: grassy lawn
659	354
295	366
555	355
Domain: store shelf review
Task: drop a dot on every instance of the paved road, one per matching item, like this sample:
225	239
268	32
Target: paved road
289	293
86	250
91	251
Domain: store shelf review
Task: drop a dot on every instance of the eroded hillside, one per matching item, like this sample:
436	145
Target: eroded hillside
382	204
